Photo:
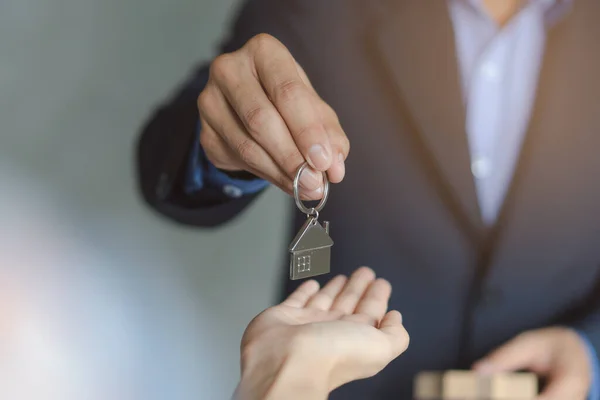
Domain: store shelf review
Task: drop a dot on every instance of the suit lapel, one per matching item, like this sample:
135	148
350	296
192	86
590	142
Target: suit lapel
415	42
562	132
421	62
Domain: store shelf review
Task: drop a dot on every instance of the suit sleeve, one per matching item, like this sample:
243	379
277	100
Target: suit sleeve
594	393
167	143
587	323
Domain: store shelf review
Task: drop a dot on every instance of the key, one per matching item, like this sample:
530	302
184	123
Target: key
310	251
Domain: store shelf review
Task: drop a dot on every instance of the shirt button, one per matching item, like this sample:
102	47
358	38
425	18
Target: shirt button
232	191
481	168
490	70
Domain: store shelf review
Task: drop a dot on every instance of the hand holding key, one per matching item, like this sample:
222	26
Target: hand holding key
260	113
318	340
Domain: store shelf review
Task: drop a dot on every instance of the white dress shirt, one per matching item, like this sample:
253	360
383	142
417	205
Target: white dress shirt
499	69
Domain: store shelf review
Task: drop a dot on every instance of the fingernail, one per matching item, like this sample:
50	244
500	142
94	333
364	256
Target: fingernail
311	180
318	157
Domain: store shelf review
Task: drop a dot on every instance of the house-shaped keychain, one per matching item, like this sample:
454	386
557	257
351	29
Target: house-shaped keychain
311	250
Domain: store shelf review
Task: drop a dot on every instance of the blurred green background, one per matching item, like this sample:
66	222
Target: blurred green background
77	80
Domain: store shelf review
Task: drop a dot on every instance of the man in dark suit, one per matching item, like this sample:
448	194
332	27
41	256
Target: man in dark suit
471	185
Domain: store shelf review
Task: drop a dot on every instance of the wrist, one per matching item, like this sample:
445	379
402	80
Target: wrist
299	379
292	378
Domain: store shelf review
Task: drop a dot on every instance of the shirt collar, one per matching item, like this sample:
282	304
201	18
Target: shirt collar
554	10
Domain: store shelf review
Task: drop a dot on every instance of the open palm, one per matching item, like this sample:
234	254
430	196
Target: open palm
345	325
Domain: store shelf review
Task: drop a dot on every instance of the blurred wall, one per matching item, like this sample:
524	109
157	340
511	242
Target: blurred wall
77	79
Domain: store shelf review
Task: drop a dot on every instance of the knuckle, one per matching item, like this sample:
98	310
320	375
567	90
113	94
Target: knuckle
222	67
288	90
255	119
247	150
345	145
204	100
262	41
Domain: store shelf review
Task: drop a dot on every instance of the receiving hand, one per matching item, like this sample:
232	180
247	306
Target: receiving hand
558	354
318	340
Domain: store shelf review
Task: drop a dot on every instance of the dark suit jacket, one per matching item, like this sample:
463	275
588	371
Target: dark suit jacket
407	206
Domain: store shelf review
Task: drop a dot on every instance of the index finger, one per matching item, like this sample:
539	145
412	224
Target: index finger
296	103
302	294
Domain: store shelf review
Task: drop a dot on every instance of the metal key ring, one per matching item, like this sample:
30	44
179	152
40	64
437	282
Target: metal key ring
299	204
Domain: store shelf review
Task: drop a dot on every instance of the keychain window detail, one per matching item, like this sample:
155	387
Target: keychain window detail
304	263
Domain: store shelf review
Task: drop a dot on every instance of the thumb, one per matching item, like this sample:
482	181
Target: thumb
391	325
525	351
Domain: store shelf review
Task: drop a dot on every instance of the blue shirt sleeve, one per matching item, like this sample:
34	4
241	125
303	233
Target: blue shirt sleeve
201	174
595	388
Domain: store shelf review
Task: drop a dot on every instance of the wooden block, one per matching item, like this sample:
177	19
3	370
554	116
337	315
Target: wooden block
461	385
467	385
515	386
428	386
